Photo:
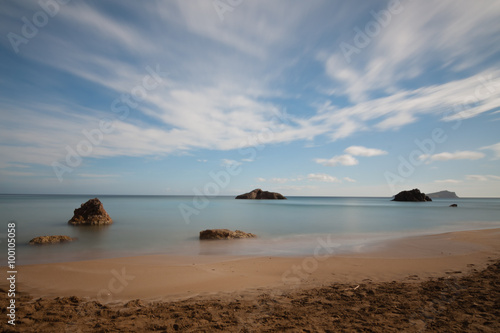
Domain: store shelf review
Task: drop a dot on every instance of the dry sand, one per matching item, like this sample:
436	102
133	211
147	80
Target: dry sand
271	293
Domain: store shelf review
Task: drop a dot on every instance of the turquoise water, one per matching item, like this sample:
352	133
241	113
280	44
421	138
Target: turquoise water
155	224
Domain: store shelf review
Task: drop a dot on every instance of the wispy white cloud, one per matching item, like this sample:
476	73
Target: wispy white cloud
229	163
323	177
228	83
482	178
346	160
349	180
363	151
447	181
495	148
277	180
409	44
92	175
451	101
458	155
212	108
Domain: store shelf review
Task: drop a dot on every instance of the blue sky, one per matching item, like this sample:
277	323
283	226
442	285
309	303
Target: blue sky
336	98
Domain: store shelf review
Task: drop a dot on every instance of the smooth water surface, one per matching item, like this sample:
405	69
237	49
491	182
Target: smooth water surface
156	224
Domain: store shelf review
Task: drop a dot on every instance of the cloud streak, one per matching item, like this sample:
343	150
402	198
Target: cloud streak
363	151
345	160
264	76
495	148
458	155
322	177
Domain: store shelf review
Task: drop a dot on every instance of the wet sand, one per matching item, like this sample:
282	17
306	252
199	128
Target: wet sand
265	293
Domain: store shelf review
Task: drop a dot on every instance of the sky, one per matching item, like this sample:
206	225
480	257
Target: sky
218	97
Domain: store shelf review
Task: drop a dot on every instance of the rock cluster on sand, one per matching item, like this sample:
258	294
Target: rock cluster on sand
42	240
224	234
91	213
413	195
259	194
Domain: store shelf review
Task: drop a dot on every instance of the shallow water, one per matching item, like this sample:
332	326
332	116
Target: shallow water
297	226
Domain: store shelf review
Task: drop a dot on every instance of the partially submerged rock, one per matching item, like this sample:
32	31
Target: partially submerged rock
91	212
224	234
258	194
413	195
453	205
42	240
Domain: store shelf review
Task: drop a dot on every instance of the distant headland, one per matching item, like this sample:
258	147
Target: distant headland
443	195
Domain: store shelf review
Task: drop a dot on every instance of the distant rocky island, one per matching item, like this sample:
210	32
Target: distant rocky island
443	195
258	194
413	195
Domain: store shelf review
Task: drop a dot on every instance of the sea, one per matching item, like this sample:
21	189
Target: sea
144	225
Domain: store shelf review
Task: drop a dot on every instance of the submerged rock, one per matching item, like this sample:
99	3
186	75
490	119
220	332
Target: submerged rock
413	195
453	205
91	213
224	234
258	194
42	240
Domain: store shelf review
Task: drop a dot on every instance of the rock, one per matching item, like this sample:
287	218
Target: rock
443	195
42	240
453	205
137	303
224	234
413	195
91	213
259	194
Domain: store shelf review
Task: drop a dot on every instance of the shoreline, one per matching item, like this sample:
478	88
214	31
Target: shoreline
174	277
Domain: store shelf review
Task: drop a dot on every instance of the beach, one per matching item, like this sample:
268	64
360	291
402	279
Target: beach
238	293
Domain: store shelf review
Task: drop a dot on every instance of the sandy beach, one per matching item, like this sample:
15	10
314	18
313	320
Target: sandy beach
112	291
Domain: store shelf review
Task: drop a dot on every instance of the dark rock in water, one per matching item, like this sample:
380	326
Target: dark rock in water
413	195
443	195
91	213
453	205
259	194
42	240
224	234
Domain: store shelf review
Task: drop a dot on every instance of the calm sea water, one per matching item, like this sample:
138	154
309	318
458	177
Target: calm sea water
154	224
